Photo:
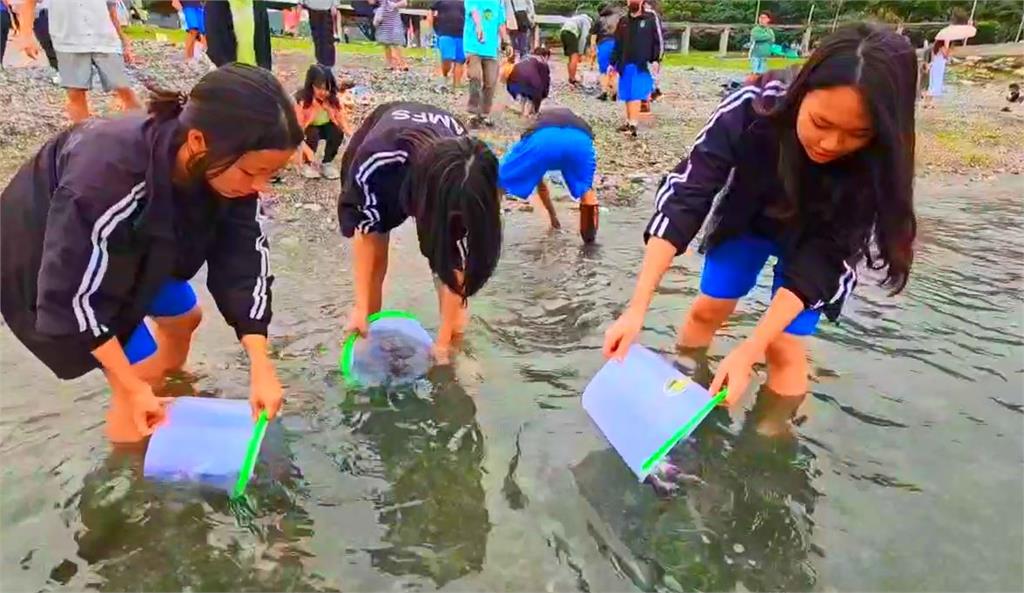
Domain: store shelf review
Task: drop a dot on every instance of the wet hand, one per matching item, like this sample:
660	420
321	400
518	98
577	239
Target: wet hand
265	391
734	372
357	323
148	410
442	352
621	335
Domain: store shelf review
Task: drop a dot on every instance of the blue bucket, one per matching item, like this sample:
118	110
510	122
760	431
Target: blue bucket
644	406
396	351
204	440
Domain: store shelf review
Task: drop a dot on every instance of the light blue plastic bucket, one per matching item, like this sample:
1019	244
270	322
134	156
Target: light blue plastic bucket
644	406
395	351
206	441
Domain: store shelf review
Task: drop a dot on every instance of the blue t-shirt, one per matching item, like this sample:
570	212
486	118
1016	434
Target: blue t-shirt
492	18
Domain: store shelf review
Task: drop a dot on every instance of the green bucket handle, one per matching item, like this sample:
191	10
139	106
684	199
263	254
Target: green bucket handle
252	452
685	430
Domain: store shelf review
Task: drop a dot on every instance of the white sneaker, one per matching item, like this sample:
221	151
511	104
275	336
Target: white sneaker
56	79
310	172
329	171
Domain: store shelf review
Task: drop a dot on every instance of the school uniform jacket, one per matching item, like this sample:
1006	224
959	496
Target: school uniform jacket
377	164
638	41
735	157
90	228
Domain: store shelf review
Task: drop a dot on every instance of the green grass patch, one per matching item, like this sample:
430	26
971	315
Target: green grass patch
285	44
735	62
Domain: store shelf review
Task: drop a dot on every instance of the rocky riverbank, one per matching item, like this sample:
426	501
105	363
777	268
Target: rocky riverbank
965	135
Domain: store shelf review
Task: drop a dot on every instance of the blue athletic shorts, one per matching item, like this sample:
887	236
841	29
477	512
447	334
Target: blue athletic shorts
731	270
568	150
450	49
635	84
174	298
604	54
195	20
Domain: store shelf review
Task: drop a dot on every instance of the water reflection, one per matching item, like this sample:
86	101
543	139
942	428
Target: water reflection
136	535
742	515
430	451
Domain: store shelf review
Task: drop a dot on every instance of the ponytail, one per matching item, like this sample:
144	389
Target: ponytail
452	189
165	105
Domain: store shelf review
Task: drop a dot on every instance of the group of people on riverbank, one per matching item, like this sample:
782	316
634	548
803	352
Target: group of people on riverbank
105	226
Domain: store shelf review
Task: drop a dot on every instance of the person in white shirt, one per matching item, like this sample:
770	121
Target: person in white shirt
86	35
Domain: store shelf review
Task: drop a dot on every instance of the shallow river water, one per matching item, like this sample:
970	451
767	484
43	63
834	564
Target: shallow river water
904	472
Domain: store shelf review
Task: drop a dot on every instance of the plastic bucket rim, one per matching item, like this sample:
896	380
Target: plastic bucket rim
346	359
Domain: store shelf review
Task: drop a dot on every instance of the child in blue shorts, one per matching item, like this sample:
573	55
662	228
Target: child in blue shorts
193	12
447	19
559	140
817	174
638	43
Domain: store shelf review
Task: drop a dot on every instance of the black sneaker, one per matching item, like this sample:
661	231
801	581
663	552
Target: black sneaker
475	122
627	129
602	97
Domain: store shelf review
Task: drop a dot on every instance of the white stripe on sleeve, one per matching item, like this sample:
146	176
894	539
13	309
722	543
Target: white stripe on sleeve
371	164
98	259
259	290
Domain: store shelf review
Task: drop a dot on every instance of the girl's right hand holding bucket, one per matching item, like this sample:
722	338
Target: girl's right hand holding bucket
621	335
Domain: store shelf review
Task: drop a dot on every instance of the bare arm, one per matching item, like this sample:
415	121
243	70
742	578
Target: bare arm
115	363
369	253
657	259
26	20
453	318
736	368
545	199
125	43
266	392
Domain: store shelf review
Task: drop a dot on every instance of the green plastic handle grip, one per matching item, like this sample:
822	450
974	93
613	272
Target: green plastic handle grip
252	452
685	430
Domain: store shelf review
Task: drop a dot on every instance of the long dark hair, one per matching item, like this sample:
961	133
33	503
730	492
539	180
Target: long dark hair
318	76
452	190
872	190
238	108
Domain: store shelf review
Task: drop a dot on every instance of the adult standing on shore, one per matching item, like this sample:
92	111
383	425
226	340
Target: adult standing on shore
321	29
87	35
637	46
520	16
761	39
483	34
238	31
446	19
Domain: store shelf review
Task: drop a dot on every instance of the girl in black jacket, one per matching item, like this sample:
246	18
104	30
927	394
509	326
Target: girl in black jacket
820	176
107	223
